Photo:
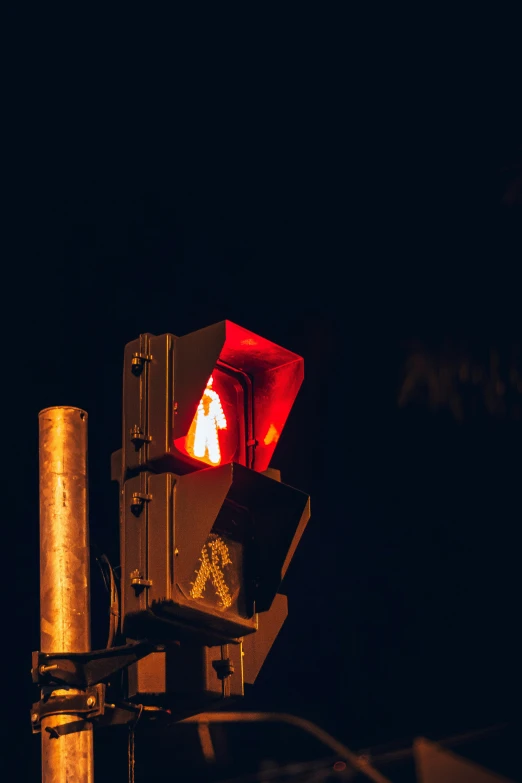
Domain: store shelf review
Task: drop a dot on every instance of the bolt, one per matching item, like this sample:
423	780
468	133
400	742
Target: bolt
137	506
136	432
44	669
34	717
91	701
136	365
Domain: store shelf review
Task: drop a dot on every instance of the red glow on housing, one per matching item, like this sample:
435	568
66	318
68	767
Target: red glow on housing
277	375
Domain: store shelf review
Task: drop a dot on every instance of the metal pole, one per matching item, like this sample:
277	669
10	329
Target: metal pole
64	576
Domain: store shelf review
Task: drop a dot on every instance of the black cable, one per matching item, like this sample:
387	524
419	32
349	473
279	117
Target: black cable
111	584
114	607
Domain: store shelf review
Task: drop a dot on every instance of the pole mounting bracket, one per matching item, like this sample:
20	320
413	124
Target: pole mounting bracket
83	669
90	706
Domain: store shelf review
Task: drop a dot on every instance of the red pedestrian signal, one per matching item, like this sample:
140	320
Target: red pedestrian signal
216	434
218	395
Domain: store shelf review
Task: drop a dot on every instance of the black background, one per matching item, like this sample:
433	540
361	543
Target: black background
348	197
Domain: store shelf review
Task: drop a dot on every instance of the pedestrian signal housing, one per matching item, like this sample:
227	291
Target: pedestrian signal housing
215	396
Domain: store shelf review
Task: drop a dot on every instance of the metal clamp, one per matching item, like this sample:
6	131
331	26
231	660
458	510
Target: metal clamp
89	704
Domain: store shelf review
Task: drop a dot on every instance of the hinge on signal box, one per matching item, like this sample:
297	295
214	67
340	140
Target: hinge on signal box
138	362
138	437
138	501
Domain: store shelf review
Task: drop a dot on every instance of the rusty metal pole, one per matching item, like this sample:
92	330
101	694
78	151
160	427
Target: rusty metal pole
64	577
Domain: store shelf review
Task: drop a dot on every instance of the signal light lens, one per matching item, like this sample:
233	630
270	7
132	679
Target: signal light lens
217	578
217	433
217	582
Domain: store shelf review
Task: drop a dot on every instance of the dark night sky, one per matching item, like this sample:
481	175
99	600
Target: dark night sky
346	202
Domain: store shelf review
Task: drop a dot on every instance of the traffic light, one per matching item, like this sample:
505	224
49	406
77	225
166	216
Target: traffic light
221	394
203	553
207	528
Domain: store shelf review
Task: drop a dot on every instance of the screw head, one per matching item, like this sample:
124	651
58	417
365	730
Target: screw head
34	717
91	701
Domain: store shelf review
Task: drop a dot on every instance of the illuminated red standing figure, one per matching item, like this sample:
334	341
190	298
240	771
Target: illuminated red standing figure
208	420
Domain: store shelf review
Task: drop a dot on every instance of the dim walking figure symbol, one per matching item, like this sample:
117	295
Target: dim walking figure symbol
208	420
211	568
